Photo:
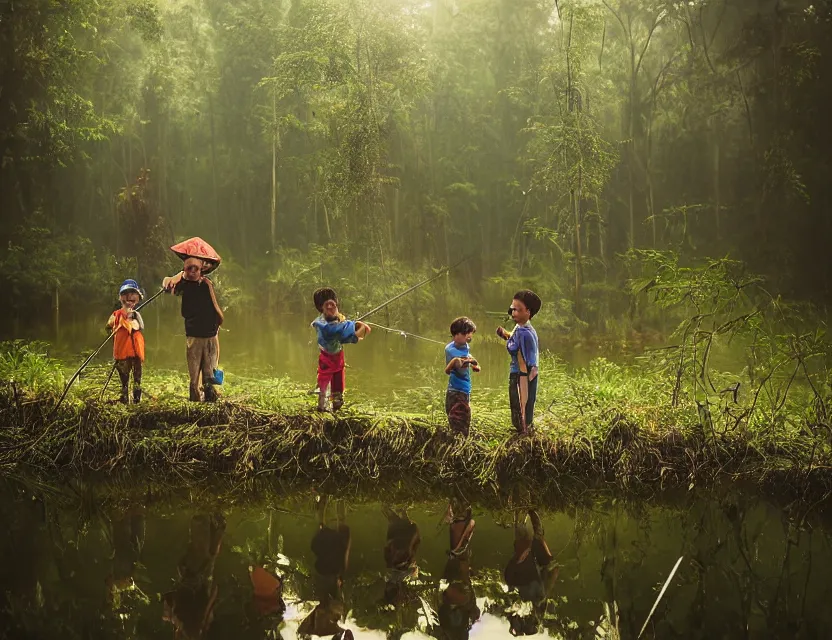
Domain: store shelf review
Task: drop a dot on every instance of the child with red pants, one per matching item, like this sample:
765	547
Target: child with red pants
334	331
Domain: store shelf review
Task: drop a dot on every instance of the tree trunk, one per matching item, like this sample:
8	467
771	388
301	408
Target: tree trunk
214	166
315	232
447	242
326	221
430	170
396	205
601	234
130	159
273	225
164	197
632	157
243	222
186	187
57	304
649	171
717	203
576	204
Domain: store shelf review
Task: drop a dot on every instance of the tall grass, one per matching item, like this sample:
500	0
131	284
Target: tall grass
607	424
28	365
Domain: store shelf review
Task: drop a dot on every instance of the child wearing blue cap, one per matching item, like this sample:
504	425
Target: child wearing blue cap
128	341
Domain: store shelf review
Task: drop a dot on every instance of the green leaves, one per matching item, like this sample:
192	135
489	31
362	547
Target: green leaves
146	20
28	365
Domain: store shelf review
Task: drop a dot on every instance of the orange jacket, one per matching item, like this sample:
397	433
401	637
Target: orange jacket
127	342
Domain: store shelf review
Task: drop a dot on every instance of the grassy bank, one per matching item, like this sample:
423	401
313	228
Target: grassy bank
603	425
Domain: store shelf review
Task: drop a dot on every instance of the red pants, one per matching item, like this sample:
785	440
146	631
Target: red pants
331	371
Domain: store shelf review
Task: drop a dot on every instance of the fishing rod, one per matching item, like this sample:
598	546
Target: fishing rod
107	382
404	334
96	352
113	368
439	274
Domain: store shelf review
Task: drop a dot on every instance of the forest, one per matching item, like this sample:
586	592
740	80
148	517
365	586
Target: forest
556	142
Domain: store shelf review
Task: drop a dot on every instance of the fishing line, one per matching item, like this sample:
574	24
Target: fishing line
403	334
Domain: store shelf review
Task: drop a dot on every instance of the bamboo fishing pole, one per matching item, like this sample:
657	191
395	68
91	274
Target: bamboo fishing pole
96	352
107	381
439	274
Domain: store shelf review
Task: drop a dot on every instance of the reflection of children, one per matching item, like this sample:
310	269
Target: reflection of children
268	592
458	365
190	606
403	540
331	547
522	346
128	536
203	318
128	341
459	609
531	570
334	331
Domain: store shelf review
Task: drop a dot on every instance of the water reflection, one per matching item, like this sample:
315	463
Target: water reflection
127	533
190	606
400	556
331	546
531	571
268	592
289	569
458	610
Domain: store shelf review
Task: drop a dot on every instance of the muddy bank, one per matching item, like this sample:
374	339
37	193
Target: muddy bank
237	441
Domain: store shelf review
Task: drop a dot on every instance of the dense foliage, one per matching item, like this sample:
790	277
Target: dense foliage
544	137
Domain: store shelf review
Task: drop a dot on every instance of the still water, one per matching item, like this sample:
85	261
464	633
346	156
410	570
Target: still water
277	345
298	564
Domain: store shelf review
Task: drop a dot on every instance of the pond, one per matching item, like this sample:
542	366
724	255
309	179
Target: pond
284	345
141	567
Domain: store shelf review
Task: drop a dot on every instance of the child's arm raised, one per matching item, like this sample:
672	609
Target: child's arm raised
169	283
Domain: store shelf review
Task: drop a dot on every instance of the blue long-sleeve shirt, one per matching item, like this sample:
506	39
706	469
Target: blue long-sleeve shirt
333	334
523	340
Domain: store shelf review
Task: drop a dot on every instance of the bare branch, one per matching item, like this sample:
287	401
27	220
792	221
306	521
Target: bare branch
656	22
617	17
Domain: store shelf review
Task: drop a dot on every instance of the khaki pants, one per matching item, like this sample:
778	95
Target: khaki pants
202	360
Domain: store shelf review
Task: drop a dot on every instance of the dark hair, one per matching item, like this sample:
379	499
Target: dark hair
323	295
530	299
463	325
